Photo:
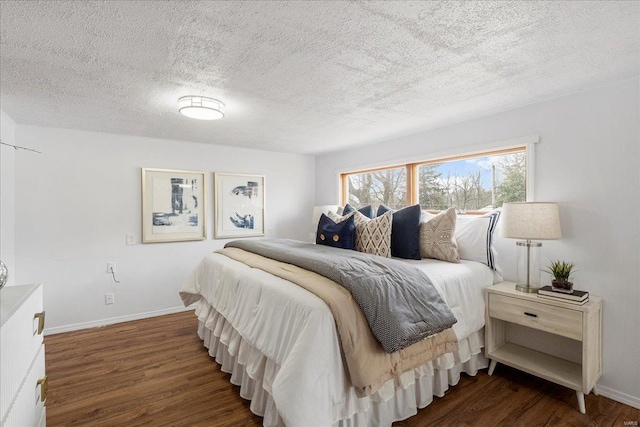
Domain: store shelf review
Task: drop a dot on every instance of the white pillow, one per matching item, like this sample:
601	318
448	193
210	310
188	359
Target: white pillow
425	215
474	236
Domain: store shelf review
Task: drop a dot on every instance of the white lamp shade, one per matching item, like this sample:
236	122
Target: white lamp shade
319	210
201	107
530	221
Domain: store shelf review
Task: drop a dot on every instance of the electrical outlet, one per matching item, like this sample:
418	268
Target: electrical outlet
109	299
131	239
270	232
111	267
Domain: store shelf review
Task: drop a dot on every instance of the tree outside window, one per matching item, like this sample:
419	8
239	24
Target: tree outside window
475	184
386	187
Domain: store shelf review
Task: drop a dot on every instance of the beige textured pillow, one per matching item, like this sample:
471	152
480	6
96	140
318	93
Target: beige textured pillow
373	236
339	218
437	237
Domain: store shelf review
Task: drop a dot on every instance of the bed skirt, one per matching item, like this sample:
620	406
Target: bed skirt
396	400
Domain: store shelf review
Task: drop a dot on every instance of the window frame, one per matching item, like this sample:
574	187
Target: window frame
412	171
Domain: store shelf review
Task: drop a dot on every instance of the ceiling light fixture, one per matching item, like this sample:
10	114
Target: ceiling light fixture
201	107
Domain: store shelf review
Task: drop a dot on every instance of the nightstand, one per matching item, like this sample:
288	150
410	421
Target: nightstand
579	322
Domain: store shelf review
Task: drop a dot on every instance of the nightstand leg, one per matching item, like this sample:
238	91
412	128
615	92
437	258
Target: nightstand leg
595	390
580	396
492	366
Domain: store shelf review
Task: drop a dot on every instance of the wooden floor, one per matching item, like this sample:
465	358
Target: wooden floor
156	372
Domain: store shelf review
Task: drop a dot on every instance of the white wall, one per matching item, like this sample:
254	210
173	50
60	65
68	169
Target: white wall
7	195
77	200
588	161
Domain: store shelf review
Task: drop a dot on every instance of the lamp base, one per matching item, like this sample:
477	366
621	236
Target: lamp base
527	289
528	267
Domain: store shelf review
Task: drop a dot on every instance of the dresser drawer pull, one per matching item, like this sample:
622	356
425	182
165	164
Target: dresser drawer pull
44	387
530	314
40	317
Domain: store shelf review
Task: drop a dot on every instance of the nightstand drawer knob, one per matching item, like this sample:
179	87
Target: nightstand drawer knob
530	314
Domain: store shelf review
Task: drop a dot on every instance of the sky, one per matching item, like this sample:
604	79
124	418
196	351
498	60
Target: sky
462	167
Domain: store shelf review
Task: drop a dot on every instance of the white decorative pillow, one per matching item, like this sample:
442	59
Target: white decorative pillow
425	215
474	236
437	237
373	236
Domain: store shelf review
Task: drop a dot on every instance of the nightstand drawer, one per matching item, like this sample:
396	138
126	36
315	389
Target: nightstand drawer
556	320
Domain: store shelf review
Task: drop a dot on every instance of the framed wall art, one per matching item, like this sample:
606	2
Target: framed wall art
239	205
173	205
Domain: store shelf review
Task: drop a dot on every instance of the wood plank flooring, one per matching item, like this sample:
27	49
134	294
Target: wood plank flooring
156	372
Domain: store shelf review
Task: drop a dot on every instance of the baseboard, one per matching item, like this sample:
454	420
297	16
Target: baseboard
114	320
619	396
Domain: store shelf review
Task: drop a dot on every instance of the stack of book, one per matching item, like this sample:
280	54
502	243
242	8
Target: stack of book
577	297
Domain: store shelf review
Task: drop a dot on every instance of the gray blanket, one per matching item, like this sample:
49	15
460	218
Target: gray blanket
399	301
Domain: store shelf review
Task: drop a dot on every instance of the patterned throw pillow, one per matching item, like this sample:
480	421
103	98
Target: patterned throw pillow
373	236
437	237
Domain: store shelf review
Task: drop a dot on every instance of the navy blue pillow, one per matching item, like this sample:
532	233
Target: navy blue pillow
366	211
405	231
339	235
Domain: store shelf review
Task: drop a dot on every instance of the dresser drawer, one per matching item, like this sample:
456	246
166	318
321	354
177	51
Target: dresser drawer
28	407
20	339
556	320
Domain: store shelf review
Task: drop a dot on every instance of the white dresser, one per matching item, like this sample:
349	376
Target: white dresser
23	383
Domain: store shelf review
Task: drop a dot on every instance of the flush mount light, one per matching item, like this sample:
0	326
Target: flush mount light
201	107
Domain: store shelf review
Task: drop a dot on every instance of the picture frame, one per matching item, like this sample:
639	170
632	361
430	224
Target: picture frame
173	205
239	205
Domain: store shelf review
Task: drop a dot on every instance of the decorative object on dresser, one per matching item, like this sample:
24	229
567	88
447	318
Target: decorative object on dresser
173	205
4	274
22	353
530	221
239	205
505	305
561	272
575	297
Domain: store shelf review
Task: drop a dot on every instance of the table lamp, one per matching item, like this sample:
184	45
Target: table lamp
529	221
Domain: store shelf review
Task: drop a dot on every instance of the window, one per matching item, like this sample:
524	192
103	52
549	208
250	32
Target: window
375	187
473	183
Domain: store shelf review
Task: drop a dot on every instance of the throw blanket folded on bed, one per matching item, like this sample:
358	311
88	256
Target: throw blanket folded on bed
399	301
368	366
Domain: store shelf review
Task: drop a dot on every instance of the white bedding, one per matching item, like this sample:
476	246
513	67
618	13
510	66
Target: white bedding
295	331
462	286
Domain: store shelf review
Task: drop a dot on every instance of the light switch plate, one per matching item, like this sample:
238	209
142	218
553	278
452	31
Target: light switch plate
131	239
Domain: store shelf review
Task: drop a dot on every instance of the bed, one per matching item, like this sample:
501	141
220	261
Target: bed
280	344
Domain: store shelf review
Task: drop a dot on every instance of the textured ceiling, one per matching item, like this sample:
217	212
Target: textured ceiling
301	77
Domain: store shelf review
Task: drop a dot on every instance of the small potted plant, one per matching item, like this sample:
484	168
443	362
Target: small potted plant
561	272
